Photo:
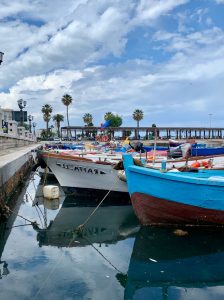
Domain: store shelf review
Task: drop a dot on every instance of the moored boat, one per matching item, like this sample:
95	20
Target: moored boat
85	170
189	198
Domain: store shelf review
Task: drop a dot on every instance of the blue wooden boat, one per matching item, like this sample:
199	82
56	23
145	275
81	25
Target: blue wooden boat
206	151
163	264
175	197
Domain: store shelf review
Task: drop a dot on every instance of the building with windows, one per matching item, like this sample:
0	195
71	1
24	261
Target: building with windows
10	126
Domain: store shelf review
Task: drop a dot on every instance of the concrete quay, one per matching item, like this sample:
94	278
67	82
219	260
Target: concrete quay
14	165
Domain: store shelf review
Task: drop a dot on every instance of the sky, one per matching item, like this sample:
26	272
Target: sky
163	57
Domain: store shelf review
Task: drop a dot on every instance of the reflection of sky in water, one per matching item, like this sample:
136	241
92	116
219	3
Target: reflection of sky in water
51	272
59	273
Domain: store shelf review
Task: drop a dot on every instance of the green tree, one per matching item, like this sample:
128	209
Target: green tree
115	121
47	110
58	119
88	119
67	100
138	116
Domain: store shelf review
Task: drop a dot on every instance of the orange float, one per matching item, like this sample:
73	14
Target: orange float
199	164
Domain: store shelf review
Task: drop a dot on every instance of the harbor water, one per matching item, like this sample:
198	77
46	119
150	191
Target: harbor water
46	254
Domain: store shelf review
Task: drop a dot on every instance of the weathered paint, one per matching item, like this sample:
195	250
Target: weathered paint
151	210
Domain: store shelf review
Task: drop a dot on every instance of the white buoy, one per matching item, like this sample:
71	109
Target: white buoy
51	191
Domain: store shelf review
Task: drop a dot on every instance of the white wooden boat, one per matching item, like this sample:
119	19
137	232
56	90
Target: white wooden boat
93	171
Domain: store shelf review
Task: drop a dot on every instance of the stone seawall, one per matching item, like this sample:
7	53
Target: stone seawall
13	170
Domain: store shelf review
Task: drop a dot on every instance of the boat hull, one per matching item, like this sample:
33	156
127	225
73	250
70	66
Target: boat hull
155	211
84	173
175	197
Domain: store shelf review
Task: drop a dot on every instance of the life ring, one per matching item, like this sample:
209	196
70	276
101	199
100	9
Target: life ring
199	164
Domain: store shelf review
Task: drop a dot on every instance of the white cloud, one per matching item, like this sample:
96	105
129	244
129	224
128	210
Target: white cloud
64	53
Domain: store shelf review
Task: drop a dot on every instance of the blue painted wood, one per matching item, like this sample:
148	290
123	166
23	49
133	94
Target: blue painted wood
204	189
195	151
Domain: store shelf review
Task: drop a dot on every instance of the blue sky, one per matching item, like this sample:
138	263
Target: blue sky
164	57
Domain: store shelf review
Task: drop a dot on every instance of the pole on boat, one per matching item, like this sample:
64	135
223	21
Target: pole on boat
154	148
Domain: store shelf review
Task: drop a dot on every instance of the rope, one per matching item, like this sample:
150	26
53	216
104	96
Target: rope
77	231
81	226
104	257
31	222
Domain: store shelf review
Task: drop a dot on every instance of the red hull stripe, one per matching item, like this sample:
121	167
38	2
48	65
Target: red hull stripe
151	210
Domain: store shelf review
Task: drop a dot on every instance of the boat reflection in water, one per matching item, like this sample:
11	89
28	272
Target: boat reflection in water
114	220
166	266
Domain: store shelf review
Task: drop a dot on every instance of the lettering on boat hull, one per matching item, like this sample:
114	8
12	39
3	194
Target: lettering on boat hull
81	169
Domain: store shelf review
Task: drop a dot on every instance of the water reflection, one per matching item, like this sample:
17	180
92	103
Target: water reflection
50	262
113	221
166	266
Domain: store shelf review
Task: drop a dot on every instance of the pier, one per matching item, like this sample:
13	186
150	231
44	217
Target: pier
147	133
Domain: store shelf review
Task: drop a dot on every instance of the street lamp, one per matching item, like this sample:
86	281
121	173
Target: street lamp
1	57
22	105
30	119
34	125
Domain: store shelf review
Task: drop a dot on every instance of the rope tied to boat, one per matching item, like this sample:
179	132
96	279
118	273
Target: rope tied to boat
80	228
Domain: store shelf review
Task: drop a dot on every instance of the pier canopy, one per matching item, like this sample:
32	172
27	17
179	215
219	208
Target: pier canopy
146	133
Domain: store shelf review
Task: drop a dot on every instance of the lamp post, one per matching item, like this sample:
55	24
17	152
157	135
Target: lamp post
34	125
1	57
22	105
30	119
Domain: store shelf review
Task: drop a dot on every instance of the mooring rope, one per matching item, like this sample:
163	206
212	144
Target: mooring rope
80	227
77	231
104	257
31	222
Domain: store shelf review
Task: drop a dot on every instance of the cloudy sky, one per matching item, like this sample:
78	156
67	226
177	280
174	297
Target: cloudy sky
164	57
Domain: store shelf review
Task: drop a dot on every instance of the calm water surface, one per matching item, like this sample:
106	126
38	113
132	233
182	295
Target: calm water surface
113	258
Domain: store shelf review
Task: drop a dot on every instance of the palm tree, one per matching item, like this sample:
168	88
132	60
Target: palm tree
88	119
108	115
67	100
58	119
138	116
47	110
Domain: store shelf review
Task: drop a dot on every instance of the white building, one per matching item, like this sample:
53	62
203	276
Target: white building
8	125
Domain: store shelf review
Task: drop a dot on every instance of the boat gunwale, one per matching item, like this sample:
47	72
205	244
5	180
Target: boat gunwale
175	176
75	158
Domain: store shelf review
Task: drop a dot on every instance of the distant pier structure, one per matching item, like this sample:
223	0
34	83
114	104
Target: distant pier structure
146	132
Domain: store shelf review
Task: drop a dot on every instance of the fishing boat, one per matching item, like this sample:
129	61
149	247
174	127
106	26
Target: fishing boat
205	150
195	149
173	197
85	170
163	265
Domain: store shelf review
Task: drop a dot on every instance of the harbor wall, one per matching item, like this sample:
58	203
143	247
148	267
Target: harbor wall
13	170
